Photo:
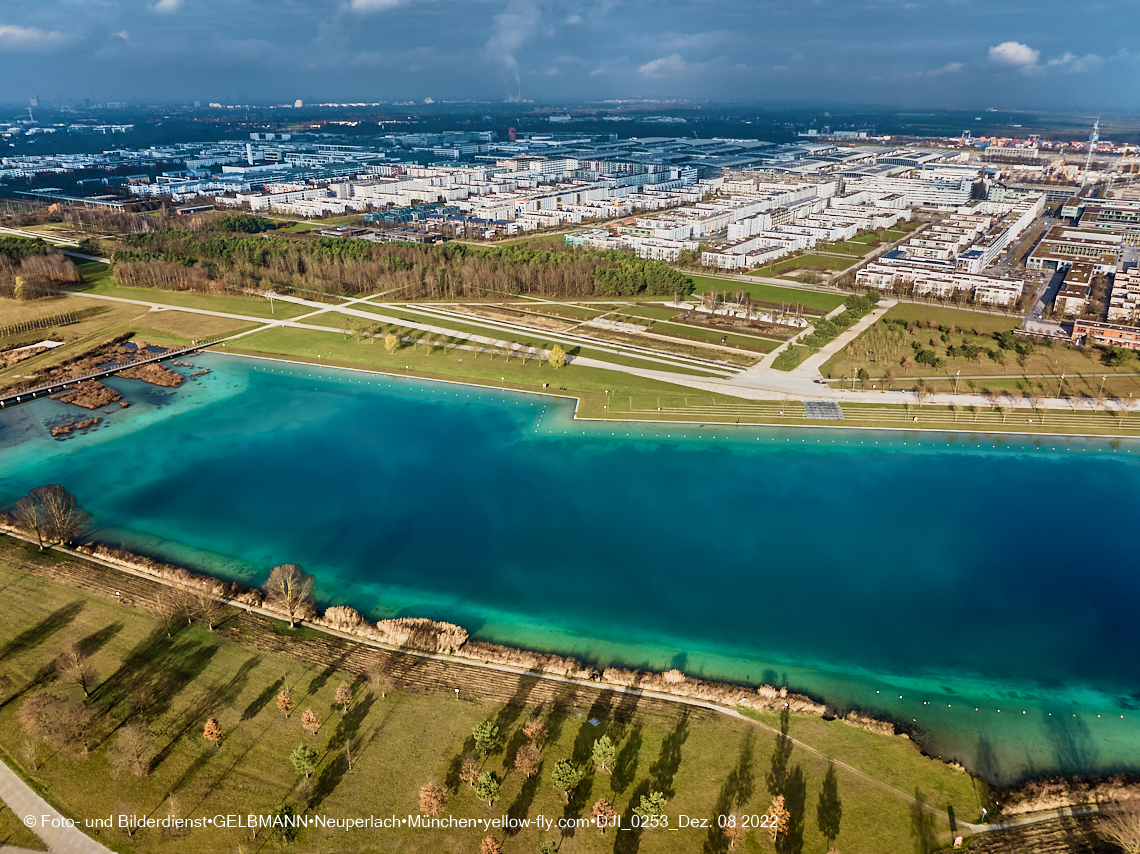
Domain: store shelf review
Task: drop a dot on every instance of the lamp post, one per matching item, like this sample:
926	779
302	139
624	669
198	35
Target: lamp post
607	400
956	373
1061	386
1102	379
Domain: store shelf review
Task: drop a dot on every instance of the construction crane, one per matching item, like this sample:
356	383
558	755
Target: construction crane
1093	138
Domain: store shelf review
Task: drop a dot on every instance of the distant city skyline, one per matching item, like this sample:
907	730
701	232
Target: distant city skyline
948	53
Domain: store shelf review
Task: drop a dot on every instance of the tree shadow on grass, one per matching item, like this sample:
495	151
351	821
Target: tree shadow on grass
321	679
626	761
262	700
347	729
923	829
734	792
33	637
95	641
662	771
795	802
520	807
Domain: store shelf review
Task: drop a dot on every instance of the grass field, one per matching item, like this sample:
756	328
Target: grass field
228	303
537	338
811	300
1036	373
330	348
706	763
801	262
184	326
13	832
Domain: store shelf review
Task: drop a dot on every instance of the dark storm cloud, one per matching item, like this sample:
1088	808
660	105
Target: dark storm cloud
935	52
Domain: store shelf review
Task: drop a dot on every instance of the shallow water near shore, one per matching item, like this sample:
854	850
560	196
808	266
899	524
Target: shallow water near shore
959	571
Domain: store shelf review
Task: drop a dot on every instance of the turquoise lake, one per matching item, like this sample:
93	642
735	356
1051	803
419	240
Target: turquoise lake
959	571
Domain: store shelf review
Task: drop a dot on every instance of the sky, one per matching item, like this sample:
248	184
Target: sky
1007	54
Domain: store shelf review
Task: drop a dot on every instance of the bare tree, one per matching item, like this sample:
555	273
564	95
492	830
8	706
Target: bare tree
74	666
290	589
433	798
343	696
379	682
603	814
780	817
53	514
535	732
469	770
167	606
207	608
285	702
734	831
526	760
310	720
133	750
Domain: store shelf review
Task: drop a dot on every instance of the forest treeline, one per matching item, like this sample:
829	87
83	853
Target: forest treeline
31	268
204	261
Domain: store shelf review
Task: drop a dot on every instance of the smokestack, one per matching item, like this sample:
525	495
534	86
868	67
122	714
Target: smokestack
249	153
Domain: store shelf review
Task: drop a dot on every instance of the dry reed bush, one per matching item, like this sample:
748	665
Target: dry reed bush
342	618
870	724
155	374
419	633
1062	793
527	660
89	395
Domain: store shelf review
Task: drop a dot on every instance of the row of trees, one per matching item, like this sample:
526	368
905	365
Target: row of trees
202	261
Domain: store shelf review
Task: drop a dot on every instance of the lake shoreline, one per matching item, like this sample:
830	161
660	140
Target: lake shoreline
729	421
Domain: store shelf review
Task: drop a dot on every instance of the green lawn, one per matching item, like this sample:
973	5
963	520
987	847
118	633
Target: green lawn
811	300
247	306
460	365
800	262
706	763
538	338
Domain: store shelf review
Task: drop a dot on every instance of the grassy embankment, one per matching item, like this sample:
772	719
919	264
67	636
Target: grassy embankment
13	832
707	762
1037	372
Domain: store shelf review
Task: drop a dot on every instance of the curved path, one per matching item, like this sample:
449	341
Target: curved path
26	804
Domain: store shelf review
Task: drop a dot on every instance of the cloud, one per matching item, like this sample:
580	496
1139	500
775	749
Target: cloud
574	19
1072	62
1016	54
366	6
29	38
948	68
515	27
667	66
121	34
167	6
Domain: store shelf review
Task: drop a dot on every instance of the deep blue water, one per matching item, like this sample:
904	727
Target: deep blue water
959	571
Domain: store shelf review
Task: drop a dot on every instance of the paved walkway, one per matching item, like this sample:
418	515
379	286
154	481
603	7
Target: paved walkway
25	803
811	365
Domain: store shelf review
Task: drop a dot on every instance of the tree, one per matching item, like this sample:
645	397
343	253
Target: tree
603	814
734	830
132	751
651	805
566	776
166	605
379	682
486	737
535	732
285	702
343	696
487	787
310	720
290	589
557	357
213	732
74	666
888	378
547	846
602	753
490	845
66	725
207	608
829	810
469	770
52	514
304	759
779	817
526	761
391	343
1122	829
433	798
